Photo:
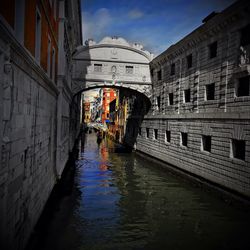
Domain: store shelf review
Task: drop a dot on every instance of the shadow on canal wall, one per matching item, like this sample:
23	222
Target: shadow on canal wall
62	189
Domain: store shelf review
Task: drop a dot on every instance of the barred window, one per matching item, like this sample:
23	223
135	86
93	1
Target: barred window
98	67
210	90
238	149
184	139
155	134
170	99
159	75
172	70
129	69
242	87
167	136
212	50
206	143
186	95
189	61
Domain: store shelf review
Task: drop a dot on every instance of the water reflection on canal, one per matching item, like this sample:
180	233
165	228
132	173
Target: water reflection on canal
122	201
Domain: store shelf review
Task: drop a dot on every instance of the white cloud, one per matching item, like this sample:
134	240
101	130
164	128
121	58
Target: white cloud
95	23
135	14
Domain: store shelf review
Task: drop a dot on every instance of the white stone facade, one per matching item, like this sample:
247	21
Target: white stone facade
204	102
112	62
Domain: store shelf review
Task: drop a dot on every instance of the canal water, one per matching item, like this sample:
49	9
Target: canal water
120	200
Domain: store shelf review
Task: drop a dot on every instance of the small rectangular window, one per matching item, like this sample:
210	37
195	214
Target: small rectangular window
186	95
158	102
245	37
49	58
238	149
184	139
38	36
212	50
155	134
172	70
19	19
53	71
167	136
210	90
98	67
206	143
129	69
189	61
170	98
147	132
159	75
242	87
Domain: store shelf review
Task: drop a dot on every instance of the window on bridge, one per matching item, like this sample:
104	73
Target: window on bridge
147	132
206	143
129	69
238	148
97	67
184	139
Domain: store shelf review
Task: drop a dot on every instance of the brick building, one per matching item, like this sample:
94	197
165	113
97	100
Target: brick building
200	115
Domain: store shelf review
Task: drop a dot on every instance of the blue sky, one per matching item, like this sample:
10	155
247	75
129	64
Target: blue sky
156	24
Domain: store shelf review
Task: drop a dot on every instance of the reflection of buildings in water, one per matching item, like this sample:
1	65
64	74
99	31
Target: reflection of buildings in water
104	156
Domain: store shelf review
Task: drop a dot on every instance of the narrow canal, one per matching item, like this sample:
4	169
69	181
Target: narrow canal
121	200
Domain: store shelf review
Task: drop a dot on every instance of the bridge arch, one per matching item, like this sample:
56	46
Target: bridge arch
111	63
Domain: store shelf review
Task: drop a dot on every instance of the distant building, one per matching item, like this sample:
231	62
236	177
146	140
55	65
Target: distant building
86	112
108	95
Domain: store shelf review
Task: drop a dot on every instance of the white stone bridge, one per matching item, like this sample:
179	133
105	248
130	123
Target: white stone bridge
113	62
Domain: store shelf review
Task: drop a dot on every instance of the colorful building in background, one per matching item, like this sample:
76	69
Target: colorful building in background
108	95
86	112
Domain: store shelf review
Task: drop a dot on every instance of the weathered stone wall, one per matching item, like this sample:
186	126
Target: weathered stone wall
39	123
28	173
224	119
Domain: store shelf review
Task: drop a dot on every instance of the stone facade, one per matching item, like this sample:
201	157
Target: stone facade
37	111
200	115
113	62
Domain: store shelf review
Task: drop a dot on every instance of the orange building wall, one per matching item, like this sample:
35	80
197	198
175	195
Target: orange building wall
49	26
